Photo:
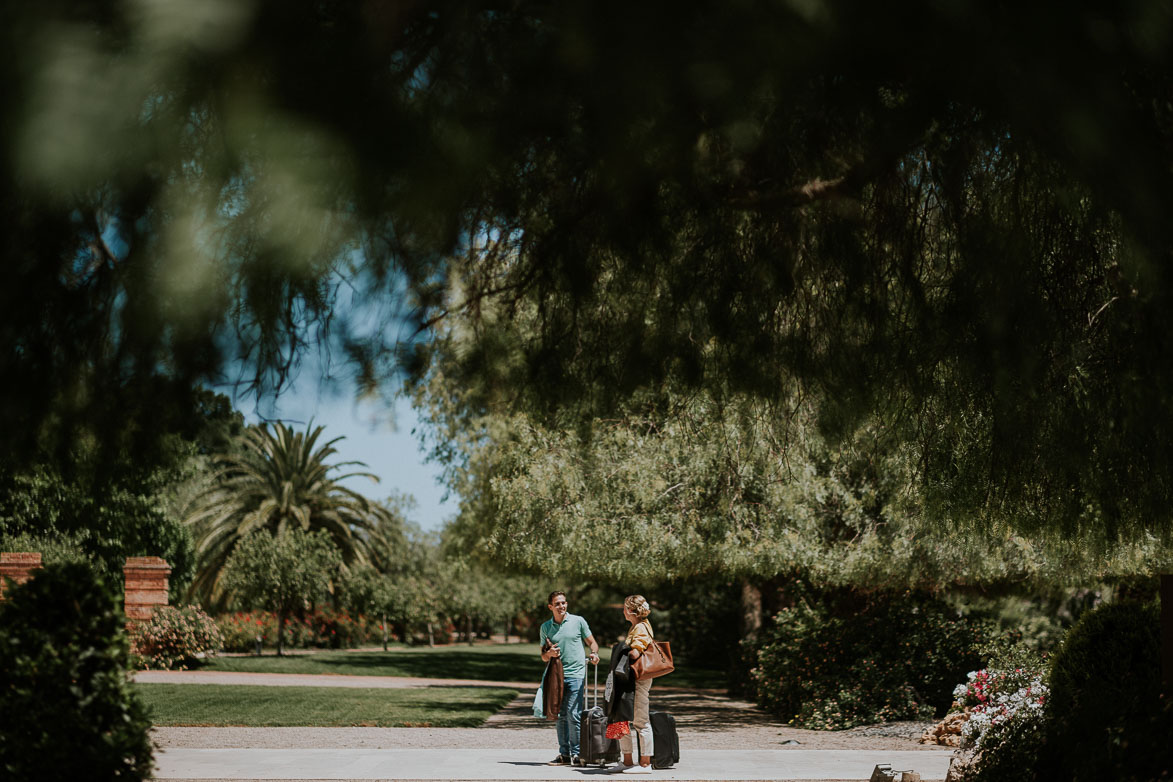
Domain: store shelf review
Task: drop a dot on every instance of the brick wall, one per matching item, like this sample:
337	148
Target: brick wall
18	567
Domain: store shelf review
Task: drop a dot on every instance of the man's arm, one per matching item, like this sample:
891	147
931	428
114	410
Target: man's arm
590	639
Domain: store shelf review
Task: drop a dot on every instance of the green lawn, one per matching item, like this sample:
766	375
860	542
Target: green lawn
497	662
213	704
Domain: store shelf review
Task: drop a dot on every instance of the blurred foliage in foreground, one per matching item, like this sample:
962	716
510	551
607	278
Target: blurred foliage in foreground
952	216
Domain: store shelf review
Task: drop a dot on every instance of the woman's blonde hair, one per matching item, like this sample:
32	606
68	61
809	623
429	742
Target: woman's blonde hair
637	605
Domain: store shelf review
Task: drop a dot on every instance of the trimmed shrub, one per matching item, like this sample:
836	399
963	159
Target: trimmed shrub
835	664
67	710
1107	718
174	638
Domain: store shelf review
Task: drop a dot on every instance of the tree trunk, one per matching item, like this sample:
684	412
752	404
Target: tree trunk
384	631
468	627
1167	633
431	638
506	631
751	610
280	632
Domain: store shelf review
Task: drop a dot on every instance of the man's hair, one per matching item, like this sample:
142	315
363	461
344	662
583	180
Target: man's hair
554	594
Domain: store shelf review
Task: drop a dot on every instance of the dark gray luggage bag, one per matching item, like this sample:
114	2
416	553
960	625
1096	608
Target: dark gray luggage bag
595	748
665	740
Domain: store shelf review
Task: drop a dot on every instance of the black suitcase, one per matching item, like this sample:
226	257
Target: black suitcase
665	740
594	746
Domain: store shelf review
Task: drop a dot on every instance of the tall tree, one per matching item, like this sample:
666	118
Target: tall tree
278	480
284	572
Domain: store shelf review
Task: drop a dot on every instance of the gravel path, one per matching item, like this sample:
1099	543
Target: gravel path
706	719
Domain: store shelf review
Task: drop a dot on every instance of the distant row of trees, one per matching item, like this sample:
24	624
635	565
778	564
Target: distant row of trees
254	516
274	528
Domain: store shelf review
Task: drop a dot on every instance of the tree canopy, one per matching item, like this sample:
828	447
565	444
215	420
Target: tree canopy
948	216
705	488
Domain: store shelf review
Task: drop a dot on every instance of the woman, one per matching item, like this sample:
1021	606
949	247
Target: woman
639	637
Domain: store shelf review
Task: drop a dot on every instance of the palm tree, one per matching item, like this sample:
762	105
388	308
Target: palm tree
277	479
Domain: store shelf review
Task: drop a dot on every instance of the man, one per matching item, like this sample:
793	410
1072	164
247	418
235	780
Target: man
566	633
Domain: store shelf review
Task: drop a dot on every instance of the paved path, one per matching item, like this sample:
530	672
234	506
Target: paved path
514	764
722	738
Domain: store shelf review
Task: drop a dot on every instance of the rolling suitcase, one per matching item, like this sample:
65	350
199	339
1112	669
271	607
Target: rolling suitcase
665	740
594	746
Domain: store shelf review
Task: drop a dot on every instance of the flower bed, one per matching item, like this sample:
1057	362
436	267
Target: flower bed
320	629
996	698
240	630
997	718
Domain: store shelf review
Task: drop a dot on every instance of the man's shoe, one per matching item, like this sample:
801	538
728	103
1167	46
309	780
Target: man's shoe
561	760
577	761
637	769
618	767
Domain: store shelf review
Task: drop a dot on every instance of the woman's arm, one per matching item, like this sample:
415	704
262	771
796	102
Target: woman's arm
639	641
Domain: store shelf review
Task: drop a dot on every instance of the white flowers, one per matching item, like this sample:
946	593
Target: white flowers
997	698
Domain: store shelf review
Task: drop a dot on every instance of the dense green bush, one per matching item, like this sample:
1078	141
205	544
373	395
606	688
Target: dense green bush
110	511
1107	717
174	638
67	710
843	661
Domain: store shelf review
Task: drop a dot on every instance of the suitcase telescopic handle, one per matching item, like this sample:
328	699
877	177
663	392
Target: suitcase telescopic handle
596	667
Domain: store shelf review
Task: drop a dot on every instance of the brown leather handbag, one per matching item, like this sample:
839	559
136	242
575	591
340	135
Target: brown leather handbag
655	661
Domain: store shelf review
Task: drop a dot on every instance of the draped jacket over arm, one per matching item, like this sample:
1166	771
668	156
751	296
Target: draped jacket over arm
620	706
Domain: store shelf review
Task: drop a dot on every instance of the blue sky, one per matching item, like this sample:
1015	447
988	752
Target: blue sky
379	435
375	433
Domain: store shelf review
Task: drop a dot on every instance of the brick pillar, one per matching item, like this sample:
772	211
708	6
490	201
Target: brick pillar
146	586
18	567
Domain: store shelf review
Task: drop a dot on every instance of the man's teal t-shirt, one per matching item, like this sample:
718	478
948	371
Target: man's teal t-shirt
569	636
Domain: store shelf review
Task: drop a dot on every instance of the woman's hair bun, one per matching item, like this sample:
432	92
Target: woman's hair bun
638	605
